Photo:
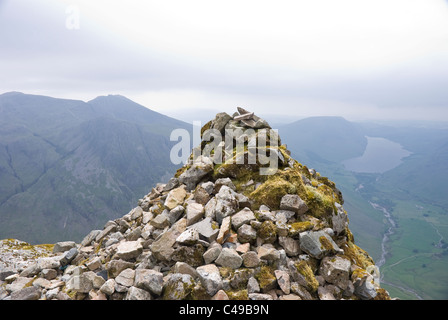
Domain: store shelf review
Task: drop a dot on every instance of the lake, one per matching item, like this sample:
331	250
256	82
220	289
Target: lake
379	156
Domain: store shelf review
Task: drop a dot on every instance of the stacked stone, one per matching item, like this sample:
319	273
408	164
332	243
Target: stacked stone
198	237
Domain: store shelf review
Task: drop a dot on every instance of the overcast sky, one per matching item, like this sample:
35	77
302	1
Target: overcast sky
360	59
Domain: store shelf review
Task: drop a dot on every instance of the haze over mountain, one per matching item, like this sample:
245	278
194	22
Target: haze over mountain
67	165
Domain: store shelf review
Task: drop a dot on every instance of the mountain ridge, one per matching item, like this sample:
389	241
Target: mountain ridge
43	138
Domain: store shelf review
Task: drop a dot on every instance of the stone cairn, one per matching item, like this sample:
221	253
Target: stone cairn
214	231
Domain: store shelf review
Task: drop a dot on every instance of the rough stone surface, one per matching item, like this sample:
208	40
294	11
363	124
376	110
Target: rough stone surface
210	278
294	203
244	216
229	258
335	270
127	250
317	244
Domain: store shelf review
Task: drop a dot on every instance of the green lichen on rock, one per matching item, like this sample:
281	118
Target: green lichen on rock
267	231
325	244
356	255
297	227
238	294
266	278
310	281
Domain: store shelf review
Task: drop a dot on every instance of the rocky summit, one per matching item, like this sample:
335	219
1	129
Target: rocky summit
241	220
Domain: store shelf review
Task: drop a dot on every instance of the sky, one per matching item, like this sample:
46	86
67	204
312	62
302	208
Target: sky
360	59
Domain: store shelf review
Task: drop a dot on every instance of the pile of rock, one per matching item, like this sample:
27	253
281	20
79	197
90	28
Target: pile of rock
208	234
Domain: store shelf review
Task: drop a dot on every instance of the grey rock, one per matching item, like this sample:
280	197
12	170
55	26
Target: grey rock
220	121
283	281
242	217
189	254
175	214
325	294
29	293
240	277
253	286
268	252
201	167
260	296
172	183
194	213
162	248
178	286
339	219
136	213
184	268
226	203
50	262
68	257
137	294
301	291
212	253
246	233
114	267
81	283
208	187
294	203
90	237
108	287
365	287
223	182
161	221
135	234
291	246
4	273
188	237
201	195
335	270
150	280
63	246
49	274
110	228
229	258
317	244
127	250
126	277
94	264
224	230
210	208
251	259
206	229
210	278
30	271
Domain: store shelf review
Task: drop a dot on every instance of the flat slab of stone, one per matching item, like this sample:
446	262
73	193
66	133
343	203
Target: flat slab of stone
206	229
294	203
127	250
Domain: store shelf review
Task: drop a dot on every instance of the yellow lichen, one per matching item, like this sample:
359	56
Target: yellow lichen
298	227
305	270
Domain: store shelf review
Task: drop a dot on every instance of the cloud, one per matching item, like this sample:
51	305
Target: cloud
197	53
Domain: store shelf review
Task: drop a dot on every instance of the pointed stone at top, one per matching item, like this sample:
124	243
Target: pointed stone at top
242	111
244	116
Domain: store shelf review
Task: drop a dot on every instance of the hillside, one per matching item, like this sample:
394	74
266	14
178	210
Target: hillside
411	245
68	165
240	229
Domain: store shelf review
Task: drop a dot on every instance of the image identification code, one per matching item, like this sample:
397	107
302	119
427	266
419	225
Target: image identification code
235	309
